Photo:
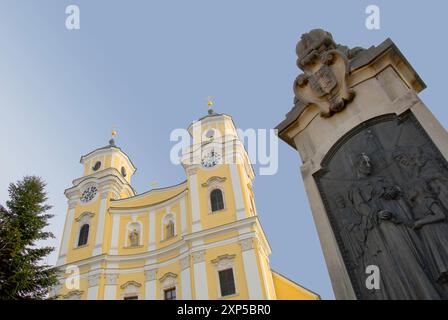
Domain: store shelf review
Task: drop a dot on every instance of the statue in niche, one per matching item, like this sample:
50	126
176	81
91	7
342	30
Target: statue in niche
134	238
390	243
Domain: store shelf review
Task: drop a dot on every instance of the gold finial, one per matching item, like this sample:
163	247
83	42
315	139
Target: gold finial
209	102
113	134
210	105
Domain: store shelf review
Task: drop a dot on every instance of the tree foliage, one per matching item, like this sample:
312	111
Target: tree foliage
23	275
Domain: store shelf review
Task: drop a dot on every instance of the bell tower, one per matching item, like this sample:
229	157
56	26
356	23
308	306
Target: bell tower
218	171
107	174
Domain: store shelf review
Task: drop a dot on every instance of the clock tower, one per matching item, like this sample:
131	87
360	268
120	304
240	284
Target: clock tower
106	175
218	169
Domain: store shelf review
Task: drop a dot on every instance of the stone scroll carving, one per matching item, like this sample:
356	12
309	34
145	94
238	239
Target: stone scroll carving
326	67
385	189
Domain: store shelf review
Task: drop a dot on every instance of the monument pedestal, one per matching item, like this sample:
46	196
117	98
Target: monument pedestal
366	141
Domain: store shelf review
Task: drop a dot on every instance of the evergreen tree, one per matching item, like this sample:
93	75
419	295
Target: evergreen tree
22	272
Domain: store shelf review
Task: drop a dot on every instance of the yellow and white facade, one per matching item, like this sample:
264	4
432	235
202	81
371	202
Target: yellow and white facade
188	241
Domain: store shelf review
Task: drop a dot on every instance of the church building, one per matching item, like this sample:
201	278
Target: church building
199	239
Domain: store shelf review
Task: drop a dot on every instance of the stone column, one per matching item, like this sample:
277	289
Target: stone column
115	234
200	275
93	283
237	191
185	278
150	284
253	278
152	230
110	286
97	250
194	197
67	231
359	128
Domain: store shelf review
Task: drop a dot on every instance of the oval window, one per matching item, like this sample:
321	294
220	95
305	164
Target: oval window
97	166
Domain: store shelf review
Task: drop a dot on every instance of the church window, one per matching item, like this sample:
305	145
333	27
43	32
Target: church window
216	200
170	294
227	282
83	235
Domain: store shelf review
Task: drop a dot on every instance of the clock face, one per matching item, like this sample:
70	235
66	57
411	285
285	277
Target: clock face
88	194
211	159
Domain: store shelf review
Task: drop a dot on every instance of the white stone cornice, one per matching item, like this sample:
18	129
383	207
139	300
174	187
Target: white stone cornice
73	202
243	226
109	177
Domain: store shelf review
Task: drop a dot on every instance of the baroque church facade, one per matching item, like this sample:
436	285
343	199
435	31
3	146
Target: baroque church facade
200	239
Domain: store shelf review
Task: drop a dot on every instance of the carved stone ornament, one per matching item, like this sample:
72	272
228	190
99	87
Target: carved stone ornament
247	244
74	295
198	256
150	275
213	181
385	189
224	262
168	280
130	285
94	280
111	278
85	217
324	81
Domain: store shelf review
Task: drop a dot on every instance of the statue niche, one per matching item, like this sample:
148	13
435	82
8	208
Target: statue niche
385	192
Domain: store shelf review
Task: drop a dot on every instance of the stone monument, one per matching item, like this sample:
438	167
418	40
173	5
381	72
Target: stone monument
374	168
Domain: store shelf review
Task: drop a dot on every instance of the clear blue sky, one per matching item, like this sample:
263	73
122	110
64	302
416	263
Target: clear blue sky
148	66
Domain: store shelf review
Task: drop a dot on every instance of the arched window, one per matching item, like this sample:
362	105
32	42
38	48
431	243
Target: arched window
83	235
216	200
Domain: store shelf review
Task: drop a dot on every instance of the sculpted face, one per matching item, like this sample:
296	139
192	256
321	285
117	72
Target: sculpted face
364	164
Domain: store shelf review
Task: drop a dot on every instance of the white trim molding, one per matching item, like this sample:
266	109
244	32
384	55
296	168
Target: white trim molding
130	289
